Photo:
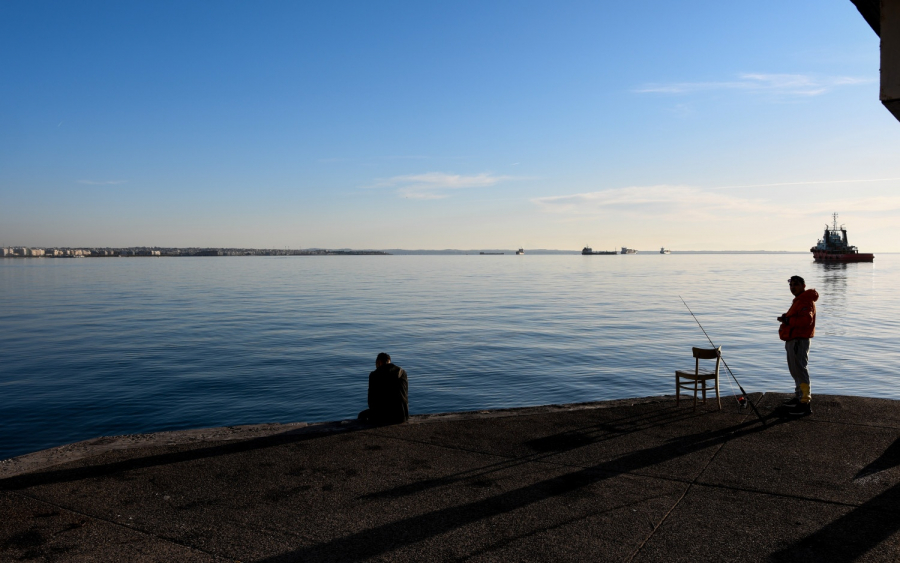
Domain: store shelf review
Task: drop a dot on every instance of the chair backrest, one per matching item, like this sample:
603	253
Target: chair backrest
707	353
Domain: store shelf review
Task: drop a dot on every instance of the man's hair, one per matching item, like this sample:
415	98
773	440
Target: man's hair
797	279
383	357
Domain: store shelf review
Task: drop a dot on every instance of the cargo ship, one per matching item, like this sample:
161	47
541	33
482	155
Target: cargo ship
586	251
833	246
628	250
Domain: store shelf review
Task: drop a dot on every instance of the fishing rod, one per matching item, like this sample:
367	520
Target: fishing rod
744	393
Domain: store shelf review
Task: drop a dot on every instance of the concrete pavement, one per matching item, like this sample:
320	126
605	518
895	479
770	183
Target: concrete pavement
636	480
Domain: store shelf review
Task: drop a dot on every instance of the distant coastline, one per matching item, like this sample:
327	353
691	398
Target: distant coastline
155	251
546	251
145	251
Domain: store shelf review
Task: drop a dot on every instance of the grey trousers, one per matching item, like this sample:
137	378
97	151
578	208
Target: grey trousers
797	358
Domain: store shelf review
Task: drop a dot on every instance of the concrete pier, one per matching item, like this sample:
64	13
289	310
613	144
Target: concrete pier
635	480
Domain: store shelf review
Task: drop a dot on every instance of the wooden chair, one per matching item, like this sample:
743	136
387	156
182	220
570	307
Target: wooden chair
694	378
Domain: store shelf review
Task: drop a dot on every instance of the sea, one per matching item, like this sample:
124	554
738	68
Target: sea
108	346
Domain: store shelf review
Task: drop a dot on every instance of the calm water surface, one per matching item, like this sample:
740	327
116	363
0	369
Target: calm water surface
126	345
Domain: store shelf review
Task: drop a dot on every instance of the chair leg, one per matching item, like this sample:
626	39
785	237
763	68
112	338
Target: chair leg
677	390
704	391
695	394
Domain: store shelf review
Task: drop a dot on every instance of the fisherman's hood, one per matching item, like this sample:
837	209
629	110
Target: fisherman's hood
392	369
808	295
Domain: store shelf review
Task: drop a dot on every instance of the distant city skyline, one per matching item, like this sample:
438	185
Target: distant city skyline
471	125
109	251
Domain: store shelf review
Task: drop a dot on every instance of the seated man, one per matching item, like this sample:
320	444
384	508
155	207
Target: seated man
388	393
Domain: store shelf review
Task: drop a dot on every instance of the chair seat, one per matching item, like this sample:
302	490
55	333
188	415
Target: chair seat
692	375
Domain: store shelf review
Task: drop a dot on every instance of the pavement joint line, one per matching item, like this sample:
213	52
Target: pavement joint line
556	526
686	490
789	496
839	423
112	522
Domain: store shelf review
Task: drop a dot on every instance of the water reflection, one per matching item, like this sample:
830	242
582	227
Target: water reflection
832	288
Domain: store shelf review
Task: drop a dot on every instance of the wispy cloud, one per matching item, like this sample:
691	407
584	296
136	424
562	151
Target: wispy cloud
102	183
808	183
798	85
868	206
688	203
661	201
436	185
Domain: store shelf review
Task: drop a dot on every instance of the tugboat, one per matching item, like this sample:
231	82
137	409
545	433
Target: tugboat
586	251
833	247
520	251
664	250
628	250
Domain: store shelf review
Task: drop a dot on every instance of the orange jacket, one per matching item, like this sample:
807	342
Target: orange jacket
801	317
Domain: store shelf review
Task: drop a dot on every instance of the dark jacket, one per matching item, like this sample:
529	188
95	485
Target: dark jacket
801	317
388	394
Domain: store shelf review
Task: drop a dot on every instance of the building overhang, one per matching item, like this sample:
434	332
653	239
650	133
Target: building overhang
883	16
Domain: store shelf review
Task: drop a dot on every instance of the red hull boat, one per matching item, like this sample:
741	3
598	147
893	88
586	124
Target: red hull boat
845	257
833	247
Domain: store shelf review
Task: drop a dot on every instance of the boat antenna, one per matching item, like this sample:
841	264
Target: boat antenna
744	393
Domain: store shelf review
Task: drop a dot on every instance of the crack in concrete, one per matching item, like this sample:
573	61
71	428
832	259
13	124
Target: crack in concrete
686	490
114	523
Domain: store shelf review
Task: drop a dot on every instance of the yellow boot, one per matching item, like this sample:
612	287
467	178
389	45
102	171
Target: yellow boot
803	408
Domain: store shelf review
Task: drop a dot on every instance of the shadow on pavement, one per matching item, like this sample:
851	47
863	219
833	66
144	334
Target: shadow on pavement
377	541
850	537
548	446
92	471
890	458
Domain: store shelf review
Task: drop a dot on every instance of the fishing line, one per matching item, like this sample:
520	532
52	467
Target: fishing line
742	400
731	373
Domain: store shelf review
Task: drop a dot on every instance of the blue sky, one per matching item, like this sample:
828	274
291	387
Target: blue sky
690	125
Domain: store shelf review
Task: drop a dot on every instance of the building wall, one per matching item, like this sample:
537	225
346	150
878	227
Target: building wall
890	55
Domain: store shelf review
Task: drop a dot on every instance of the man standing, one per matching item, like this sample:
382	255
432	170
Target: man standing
798	325
388	393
